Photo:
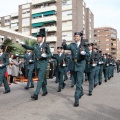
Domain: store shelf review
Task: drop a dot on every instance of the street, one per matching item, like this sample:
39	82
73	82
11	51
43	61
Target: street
104	104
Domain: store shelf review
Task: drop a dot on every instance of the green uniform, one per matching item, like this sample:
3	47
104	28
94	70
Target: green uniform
78	68
41	64
29	67
91	70
101	69
4	61
60	69
105	68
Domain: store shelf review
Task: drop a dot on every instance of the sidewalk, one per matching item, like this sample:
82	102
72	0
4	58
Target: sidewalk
104	104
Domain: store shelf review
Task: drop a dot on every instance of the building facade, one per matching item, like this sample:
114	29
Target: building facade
118	49
106	40
61	18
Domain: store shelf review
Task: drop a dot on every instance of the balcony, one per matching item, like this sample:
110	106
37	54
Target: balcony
50	29
14	28
66	18
48	8
26	15
113	47
45	19
35	2
25	24
14	21
66	28
51	39
14	14
66	7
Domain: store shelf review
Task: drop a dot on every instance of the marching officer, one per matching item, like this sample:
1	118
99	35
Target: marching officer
4	61
101	67
29	67
42	55
61	64
91	64
78	57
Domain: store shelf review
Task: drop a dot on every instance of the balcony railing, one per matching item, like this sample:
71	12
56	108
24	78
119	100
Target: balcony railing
35	2
48	8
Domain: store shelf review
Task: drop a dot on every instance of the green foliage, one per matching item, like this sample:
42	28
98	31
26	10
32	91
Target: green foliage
14	48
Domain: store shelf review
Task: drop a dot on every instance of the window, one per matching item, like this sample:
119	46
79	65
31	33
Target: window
67	13
14	24
67	2
7	21
26	20
67	35
107	44
25	29
107	49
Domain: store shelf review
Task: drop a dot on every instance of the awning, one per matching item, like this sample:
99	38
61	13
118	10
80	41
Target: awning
49	13
36	15
34	34
51	21
37	24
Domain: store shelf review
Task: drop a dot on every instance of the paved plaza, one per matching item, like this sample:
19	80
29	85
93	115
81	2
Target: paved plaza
103	105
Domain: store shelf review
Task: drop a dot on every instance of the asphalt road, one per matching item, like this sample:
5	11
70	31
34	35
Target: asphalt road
104	104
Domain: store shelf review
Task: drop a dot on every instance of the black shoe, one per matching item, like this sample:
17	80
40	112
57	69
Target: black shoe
44	94
72	86
6	92
35	97
26	88
100	83
59	91
81	95
90	94
95	85
63	85
56	81
76	104
109	78
31	87
105	80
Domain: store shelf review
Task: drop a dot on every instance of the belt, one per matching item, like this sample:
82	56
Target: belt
40	59
75	60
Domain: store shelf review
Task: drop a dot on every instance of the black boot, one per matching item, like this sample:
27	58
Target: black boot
35	97
44	94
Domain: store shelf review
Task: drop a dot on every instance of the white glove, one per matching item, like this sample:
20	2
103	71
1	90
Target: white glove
1	65
64	65
16	55
107	64
83	52
44	55
22	43
30	60
94	65
100	63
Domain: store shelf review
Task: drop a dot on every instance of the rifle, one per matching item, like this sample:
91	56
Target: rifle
45	34
82	41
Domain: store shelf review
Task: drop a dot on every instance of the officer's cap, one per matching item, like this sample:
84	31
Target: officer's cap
60	47
90	44
42	33
78	33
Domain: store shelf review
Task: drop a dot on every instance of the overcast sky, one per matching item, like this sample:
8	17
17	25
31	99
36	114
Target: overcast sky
106	12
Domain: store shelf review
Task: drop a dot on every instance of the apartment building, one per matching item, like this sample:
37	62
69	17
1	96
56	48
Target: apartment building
118	49
61	18
106	40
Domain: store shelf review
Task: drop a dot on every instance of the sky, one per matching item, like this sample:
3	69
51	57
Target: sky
106	12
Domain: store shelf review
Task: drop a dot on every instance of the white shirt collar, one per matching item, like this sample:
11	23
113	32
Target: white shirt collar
78	43
40	43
